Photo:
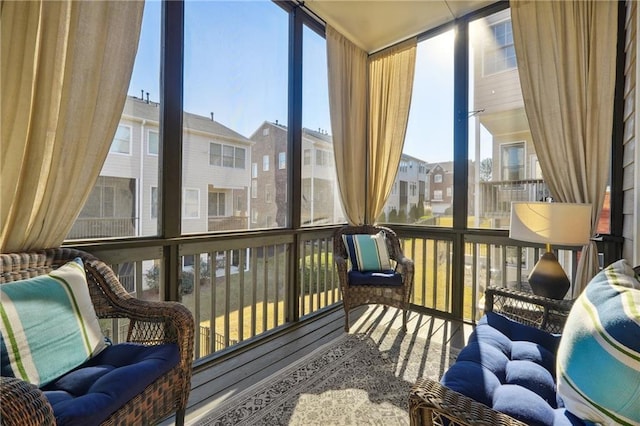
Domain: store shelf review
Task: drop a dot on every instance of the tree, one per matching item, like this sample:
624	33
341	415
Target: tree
486	169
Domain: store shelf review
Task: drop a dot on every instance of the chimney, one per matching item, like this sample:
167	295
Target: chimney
212	116
276	122
147	97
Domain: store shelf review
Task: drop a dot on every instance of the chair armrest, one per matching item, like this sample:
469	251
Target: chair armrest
23	404
150	322
527	308
432	403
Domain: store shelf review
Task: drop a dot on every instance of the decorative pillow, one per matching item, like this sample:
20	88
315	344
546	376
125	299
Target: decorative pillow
598	362
48	325
368	252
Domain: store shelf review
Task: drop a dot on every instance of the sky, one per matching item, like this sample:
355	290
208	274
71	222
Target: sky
236	63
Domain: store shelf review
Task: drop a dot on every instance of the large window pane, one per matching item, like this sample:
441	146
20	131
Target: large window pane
235	102
504	166
423	190
500	142
123	202
320	196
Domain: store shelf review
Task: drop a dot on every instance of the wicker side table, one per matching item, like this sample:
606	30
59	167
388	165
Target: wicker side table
528	308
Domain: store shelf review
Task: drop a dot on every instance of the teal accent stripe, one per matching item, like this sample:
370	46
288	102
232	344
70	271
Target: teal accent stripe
603	410
595	321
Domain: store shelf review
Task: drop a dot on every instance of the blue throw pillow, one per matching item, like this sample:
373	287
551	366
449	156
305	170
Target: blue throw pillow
48	325
367	252
598	362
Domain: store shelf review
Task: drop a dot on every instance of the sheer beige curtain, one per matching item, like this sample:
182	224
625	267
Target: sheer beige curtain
390	87
347	75
65	72
369	100
566	55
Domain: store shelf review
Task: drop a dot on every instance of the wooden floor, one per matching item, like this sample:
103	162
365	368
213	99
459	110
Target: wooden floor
236	371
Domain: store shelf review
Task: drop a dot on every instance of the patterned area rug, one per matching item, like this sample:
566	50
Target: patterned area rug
354	380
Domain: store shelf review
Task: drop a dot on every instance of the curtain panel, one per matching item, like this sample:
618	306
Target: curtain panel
347	75
390	87
369	98
65	73
566	54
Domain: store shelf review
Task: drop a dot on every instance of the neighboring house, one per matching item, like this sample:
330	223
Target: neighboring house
124	200
516	175
410	192
440	196
269	174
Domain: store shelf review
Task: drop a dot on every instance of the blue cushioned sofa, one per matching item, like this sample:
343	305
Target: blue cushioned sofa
515	370
136	382
506	373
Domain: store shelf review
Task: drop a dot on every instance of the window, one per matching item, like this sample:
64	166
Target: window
265	163
121	141
239	157
215	154
429	136
499	54
512	161
268	193
282	160
321	203
437	195
154	202
254	170
226	156
216	204
265	131
254	188
324	158
254	215
191	204
449	191
152	142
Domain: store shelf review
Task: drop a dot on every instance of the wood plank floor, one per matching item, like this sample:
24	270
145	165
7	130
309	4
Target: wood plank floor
231	374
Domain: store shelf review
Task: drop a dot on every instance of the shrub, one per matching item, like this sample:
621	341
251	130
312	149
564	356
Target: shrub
313	275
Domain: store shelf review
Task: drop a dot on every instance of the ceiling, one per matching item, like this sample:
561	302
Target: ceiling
375	24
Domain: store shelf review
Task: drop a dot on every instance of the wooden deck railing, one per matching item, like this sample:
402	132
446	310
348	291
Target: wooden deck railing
242	287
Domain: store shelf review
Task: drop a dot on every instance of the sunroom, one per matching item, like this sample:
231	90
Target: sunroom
208	151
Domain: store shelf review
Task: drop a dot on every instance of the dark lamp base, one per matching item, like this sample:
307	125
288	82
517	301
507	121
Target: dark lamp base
548	279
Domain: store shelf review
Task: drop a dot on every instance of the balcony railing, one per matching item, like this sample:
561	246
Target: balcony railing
495	197
87	228
228	223
241	287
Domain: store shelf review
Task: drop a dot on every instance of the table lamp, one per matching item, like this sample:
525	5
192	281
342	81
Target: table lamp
566	224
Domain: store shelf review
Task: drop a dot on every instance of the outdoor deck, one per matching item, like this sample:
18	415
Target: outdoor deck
236	371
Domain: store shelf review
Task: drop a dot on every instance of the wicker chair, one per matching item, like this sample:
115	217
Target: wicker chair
393	295
150	323
431	403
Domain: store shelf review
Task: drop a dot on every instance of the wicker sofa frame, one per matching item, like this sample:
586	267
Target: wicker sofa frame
150	323
431	403
353	296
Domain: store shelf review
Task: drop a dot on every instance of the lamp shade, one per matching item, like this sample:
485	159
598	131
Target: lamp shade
551	223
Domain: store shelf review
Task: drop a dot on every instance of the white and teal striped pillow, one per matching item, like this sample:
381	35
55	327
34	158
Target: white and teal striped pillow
598	362
48	325
368	252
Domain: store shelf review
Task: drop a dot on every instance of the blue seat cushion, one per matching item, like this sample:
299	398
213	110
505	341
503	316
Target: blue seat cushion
89	394
377	278
511	367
